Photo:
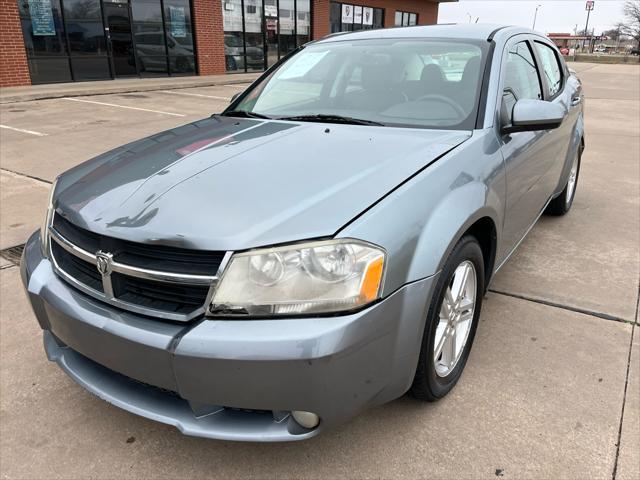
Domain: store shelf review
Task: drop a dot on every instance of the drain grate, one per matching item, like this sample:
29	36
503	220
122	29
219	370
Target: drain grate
13	254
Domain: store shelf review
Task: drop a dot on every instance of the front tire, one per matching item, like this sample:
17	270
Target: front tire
451	323
562	203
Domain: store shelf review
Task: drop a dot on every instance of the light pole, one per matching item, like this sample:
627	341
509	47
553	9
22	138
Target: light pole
535	17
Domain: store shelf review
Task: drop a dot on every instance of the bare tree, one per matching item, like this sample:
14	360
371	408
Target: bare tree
631	11
616	33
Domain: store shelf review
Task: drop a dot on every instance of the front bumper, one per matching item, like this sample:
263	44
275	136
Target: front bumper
230	379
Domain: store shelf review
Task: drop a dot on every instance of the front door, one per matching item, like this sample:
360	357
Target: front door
118	21
528	156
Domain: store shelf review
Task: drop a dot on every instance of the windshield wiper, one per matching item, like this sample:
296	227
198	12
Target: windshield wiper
245	114
331	119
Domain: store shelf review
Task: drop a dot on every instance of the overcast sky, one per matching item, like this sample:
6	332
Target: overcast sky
553	15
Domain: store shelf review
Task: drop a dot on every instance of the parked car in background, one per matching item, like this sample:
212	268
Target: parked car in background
150	46
321	246
234	50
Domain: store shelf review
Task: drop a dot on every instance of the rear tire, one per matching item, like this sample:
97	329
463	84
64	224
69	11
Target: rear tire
562	203
440	365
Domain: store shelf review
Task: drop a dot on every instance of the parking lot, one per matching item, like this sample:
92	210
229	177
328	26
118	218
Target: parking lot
552	388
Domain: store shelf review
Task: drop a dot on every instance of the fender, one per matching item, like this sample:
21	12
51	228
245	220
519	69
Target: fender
447	224
420	222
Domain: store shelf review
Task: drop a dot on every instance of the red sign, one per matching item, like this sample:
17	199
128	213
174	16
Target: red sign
591	4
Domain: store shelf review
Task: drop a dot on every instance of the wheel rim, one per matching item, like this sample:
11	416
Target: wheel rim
573	178
456	316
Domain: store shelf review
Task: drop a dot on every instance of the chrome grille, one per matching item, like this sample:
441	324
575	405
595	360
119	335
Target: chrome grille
156	280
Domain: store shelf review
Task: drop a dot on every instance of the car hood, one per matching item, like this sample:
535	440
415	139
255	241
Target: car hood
230	184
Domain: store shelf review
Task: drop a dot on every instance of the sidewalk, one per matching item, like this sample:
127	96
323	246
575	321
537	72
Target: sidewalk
105	87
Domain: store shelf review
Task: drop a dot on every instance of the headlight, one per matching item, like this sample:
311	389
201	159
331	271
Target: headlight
318	277
44	229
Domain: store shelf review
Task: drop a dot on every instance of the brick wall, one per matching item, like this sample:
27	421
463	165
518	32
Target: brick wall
427	12
14	70
207	19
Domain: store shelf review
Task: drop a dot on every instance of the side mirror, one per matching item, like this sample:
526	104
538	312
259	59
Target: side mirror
534	115
235	95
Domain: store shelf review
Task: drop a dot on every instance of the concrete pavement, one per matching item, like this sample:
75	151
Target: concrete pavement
548	392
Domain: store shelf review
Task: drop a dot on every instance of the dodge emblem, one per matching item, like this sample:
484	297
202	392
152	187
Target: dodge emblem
103	262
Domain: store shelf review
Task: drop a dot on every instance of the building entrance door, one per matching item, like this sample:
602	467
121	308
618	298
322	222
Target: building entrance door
118	21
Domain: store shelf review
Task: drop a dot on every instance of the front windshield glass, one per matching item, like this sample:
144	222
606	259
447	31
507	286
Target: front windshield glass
398	82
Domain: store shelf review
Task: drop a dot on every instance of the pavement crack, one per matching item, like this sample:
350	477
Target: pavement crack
26	175
624	401
584	311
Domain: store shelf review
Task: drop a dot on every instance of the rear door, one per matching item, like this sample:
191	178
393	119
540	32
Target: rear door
528	155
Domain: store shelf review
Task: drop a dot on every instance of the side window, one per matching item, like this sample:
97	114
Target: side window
550	67
521	78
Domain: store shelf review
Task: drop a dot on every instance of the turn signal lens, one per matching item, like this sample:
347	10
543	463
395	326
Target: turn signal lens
318	277
371	282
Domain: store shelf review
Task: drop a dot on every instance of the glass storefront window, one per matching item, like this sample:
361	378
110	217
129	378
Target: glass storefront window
179	36
233	34
102	39
344	17
43	33
257	33
253	35
303	21
87	42
406	19
149	37
287	25
271	31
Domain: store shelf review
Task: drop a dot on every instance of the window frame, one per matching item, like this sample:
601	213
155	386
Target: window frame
563	78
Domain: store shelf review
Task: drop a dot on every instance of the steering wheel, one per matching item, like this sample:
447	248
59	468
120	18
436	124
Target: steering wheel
441	98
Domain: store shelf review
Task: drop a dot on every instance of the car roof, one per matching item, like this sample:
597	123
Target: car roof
473	31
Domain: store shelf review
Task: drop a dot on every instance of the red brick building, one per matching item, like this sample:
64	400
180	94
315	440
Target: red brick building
49	41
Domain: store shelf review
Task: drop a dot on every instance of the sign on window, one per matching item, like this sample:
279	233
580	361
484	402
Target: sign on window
367	16
347	13
357	15
178	24
41	17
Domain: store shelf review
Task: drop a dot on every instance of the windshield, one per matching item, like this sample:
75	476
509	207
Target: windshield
398	82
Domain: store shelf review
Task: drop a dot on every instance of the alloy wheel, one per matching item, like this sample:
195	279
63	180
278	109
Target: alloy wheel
456	316
573	178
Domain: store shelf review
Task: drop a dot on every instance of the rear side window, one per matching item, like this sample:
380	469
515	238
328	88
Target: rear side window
521	77
551	68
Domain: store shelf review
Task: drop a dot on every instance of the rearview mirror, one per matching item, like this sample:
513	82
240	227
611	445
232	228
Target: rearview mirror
534	115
